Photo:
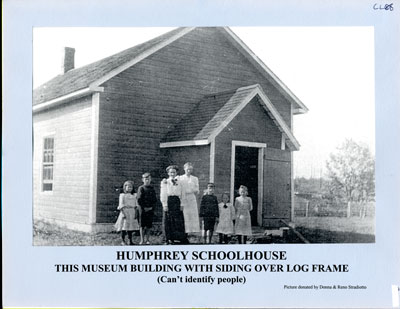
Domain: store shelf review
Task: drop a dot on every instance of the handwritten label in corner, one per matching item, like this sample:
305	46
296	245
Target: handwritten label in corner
383	7
395	296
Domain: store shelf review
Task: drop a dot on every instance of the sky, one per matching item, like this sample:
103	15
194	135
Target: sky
330	69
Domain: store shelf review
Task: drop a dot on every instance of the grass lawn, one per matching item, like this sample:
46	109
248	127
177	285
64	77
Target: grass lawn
336	230
45	234
314	229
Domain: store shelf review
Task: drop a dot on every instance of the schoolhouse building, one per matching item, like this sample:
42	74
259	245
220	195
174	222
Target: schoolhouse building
195	95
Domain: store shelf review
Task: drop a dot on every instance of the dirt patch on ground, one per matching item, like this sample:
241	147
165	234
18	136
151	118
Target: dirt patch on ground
45	234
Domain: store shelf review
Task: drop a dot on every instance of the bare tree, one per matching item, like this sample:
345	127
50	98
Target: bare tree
351	171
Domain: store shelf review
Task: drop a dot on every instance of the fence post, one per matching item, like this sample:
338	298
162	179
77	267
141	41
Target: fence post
307	204
348	209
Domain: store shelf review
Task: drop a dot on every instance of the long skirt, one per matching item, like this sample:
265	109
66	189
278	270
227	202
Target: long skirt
174	224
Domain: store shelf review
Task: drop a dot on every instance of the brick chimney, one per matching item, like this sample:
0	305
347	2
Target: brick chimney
68	61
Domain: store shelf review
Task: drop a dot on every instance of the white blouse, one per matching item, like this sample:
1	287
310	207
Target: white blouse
170	189
190	184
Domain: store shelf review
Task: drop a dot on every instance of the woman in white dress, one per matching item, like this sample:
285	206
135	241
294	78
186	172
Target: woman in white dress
190	186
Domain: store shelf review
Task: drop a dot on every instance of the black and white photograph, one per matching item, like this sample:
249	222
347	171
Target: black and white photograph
203	135
200	154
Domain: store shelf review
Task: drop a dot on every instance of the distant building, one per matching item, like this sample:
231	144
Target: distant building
192	94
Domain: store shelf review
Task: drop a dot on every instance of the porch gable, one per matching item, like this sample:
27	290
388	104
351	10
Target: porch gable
215	111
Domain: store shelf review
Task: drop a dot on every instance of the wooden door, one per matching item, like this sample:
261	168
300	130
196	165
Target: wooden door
277	189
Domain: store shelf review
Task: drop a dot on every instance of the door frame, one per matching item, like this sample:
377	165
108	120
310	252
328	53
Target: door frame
260	168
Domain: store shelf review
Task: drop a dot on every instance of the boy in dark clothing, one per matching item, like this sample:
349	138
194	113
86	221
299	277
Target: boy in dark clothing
147	200
209	212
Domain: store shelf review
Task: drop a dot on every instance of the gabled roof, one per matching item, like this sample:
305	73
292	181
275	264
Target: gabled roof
83	77
215	111
87	79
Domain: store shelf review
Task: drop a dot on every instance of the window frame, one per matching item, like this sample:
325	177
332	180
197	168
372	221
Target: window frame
47	163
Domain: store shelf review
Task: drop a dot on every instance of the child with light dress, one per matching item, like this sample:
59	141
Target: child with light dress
243	206
226	219
127	221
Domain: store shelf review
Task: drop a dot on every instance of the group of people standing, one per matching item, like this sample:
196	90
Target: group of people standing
181	216
136	210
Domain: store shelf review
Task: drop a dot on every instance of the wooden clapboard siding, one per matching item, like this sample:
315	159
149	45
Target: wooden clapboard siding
70	125
276	154
232	67
199	156
128	147
201	62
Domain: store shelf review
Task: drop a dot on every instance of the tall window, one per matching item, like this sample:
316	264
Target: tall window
48	163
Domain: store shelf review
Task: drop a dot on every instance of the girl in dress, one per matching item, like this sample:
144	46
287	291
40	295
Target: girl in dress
226	219
243	206
190	186
171	194
128	216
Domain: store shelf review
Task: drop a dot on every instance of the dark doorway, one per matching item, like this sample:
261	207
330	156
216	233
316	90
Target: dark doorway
246	173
